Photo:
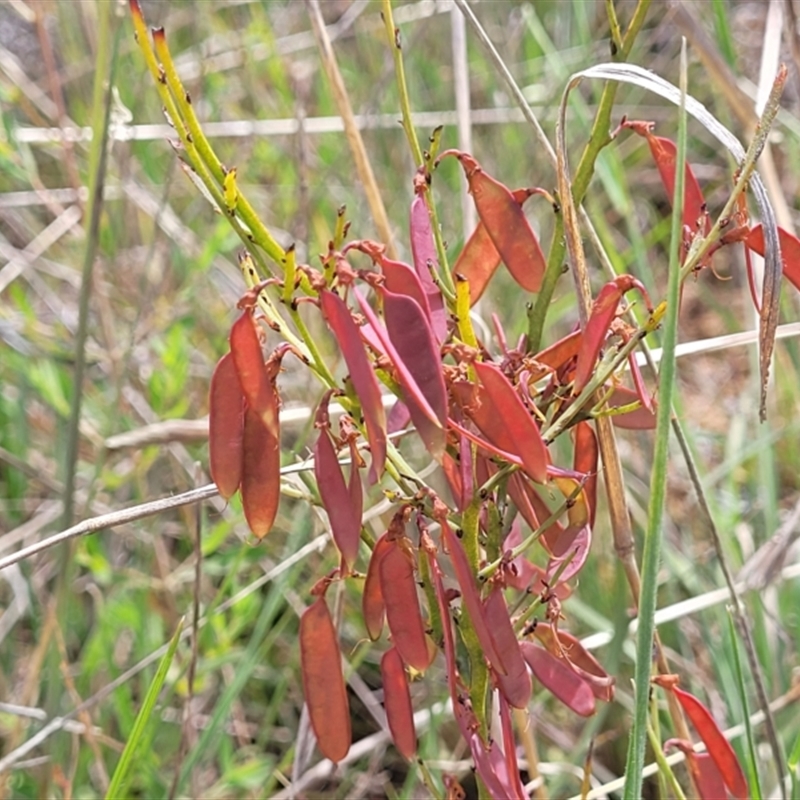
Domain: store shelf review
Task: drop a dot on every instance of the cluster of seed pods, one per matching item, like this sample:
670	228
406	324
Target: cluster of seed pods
696	219
442	567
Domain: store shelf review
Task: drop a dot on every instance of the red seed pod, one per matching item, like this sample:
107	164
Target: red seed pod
560	352
414	343
564	645
408	330
249	361
604	309
505	223
397	701
790	251
719	748
261	474
640	419
423	250
372	604
399	590
323	682
347	334
512	777
398	277
345	519
225	427
479	259
585	461
664	152
576	554
561	681
528	442
516	685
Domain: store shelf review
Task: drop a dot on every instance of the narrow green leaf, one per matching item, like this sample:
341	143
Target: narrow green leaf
651	555
117	788
752	760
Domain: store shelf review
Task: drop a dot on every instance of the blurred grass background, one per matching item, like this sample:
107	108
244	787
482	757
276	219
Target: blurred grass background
163	295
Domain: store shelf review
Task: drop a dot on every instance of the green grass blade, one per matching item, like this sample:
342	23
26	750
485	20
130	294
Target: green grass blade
658	477
752	760
117	788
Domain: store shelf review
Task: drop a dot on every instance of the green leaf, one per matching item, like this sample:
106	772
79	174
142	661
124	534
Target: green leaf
126	762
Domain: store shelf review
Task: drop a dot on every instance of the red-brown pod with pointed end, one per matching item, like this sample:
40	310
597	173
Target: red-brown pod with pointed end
604	309
397	701
665	153
261	474
512	777
423	250
399	591
585	461
414	343
505	223
338	317
323	682
344	517
479	259
426	418
225	427
249	361
559	353
372	605
557	677
525	433
516	685
719	748
790	251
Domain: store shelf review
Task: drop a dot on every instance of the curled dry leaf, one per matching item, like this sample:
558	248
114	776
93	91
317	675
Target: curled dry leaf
323	682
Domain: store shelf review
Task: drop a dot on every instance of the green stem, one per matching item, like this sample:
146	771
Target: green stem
658	478
393	34
205	154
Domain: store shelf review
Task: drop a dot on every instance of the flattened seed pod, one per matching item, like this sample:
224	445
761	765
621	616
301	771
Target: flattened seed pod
397	701
399	591
323	682
225	427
